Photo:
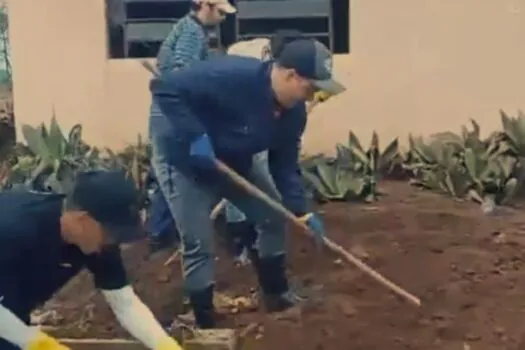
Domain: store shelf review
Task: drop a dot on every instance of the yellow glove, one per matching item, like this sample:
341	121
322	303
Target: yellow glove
44	342
169	344
321	96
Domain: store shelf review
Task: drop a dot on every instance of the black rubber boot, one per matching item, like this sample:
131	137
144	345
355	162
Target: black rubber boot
271	273
202	304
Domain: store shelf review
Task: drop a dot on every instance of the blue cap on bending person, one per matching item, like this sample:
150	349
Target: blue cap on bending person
111	199
311	60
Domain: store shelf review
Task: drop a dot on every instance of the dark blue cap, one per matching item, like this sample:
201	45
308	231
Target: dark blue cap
311	60
111	199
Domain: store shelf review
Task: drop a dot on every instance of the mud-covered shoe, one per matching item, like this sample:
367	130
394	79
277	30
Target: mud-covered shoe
276	294
282	302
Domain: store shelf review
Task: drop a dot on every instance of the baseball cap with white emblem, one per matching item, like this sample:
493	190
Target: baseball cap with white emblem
311	60
223	5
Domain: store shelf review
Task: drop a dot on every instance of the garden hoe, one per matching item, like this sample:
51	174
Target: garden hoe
332	246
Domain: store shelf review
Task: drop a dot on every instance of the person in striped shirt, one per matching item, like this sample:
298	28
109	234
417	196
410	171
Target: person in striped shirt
186	43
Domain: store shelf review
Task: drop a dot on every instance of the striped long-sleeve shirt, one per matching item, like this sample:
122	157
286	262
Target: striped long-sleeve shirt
186	43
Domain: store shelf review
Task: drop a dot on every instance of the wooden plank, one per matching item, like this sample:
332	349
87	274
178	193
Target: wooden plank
212	339
99	344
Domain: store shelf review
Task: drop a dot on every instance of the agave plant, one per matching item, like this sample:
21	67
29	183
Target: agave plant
331	180
437	166
464	166
470	138
369	163
492	177
57	158
513	136
511	141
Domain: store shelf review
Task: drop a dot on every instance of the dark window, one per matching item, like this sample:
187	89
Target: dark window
115	21
324	20
136	28
341	12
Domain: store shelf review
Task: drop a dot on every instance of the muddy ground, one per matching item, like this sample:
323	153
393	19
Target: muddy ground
467	268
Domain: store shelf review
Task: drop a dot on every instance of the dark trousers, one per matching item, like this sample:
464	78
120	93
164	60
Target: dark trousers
5	345
160	223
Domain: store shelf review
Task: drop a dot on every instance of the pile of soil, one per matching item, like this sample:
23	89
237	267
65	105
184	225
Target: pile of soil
466	267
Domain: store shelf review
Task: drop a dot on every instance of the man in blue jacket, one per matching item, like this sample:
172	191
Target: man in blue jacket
231	108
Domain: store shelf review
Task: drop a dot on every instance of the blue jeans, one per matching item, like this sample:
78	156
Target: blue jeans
191	201
233	214
160	223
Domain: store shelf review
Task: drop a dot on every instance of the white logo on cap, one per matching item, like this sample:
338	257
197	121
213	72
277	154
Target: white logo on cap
328	64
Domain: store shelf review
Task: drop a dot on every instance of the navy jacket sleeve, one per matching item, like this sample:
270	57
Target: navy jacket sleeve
12	245
174	93
108	269
284	165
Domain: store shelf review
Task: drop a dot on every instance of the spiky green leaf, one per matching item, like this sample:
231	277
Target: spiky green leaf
389	154
36	143
509	190
55	140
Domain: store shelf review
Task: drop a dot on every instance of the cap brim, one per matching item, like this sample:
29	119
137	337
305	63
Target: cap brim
227	8
125	233
331	86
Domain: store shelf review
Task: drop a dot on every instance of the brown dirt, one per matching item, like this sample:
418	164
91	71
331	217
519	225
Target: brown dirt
467	268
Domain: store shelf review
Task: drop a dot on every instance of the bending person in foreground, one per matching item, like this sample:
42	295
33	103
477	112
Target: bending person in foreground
46	239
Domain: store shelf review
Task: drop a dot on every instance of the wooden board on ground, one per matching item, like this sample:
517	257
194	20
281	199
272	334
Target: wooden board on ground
99	344
209	339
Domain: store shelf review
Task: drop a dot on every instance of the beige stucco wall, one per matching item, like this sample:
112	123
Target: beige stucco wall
416	65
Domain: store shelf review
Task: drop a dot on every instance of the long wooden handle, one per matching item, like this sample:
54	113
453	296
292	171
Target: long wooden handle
334	247
218	209
150	68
